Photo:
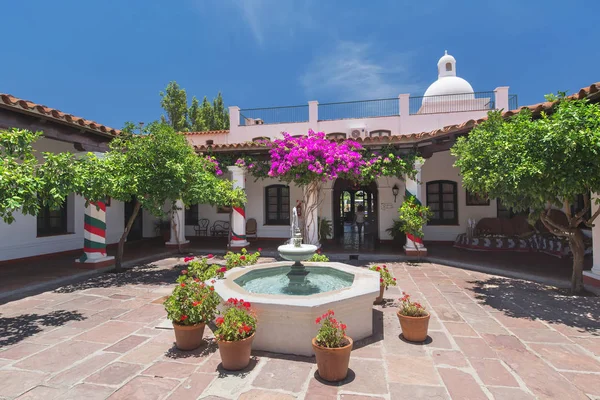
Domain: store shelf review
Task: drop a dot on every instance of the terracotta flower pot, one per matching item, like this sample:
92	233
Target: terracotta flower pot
379	299
235	355
188	337
414	329
332	363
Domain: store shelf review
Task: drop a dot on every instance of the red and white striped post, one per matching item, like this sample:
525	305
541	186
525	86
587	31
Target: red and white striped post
94	242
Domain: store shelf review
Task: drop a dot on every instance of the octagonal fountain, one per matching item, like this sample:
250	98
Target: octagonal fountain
287	297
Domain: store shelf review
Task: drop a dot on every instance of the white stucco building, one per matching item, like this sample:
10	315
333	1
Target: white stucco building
402	121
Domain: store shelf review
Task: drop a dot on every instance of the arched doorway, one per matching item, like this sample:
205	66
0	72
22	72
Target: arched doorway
348	198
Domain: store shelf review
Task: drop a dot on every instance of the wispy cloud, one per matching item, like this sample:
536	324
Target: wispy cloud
269	20
358	70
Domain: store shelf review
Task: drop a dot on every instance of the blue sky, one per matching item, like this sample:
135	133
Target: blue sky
108	60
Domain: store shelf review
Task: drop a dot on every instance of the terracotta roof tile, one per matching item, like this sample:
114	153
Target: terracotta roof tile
592	91
10	101
220	132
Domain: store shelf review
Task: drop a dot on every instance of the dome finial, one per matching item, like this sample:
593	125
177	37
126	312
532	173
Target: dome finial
445	52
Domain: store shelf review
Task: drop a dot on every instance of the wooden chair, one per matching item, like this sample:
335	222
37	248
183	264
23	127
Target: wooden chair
251	228
202	227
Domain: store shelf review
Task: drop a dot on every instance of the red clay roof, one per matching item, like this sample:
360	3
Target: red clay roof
590	91
9	101
221	132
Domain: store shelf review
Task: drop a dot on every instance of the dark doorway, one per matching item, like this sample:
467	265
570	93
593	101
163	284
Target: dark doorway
137	229
348	199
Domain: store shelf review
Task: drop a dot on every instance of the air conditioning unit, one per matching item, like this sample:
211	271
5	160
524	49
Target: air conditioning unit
357	132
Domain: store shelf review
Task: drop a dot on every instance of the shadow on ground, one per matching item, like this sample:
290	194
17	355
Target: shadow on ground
142	275
20	327
525	299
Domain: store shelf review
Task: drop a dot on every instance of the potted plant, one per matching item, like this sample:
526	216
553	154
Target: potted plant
413	215
163	227
332	348
191	305
241	259
235	333
396	232
199	269
414	319
385	280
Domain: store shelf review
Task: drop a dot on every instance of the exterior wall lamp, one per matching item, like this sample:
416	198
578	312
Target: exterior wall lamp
395	191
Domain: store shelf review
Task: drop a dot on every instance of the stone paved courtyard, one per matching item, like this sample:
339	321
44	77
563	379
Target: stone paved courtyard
490	338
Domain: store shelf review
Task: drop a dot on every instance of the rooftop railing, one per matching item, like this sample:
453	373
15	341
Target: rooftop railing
478	101
513	102
273	115
359	109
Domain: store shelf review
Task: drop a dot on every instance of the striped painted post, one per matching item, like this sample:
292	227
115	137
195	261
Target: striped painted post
409	237
94	243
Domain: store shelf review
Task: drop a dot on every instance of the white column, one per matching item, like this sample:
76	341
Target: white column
594	274
501	98
234	117
178	225
313	114
238	215
312	231
415	246
404	104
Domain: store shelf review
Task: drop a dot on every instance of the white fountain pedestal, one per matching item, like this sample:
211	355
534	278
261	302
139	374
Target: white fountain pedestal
286	324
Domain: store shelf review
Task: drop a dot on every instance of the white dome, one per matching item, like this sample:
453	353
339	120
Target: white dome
447	82
449	85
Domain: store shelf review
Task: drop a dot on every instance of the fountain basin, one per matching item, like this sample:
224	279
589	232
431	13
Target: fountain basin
286	322
292	253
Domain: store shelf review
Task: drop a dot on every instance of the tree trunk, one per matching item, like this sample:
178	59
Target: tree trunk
121	247
578	248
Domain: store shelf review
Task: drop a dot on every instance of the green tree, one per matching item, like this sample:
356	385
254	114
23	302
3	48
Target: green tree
534	164
197	124
413	216
220	114
174	102
159	168
206	114
30	180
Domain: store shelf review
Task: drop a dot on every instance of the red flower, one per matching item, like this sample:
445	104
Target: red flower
378	268
188	259
196	279
319	251
333	321
343	326
209	256
246	304
394	279
212	289
242	257
184	272
385	267
318	320
259	249
247	328
182	284
212	281
195	303
219	321
183	318
381	280
223	269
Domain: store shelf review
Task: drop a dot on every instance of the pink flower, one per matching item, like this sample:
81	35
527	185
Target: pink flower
188	259
223	269
184	272
209	256
259	249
